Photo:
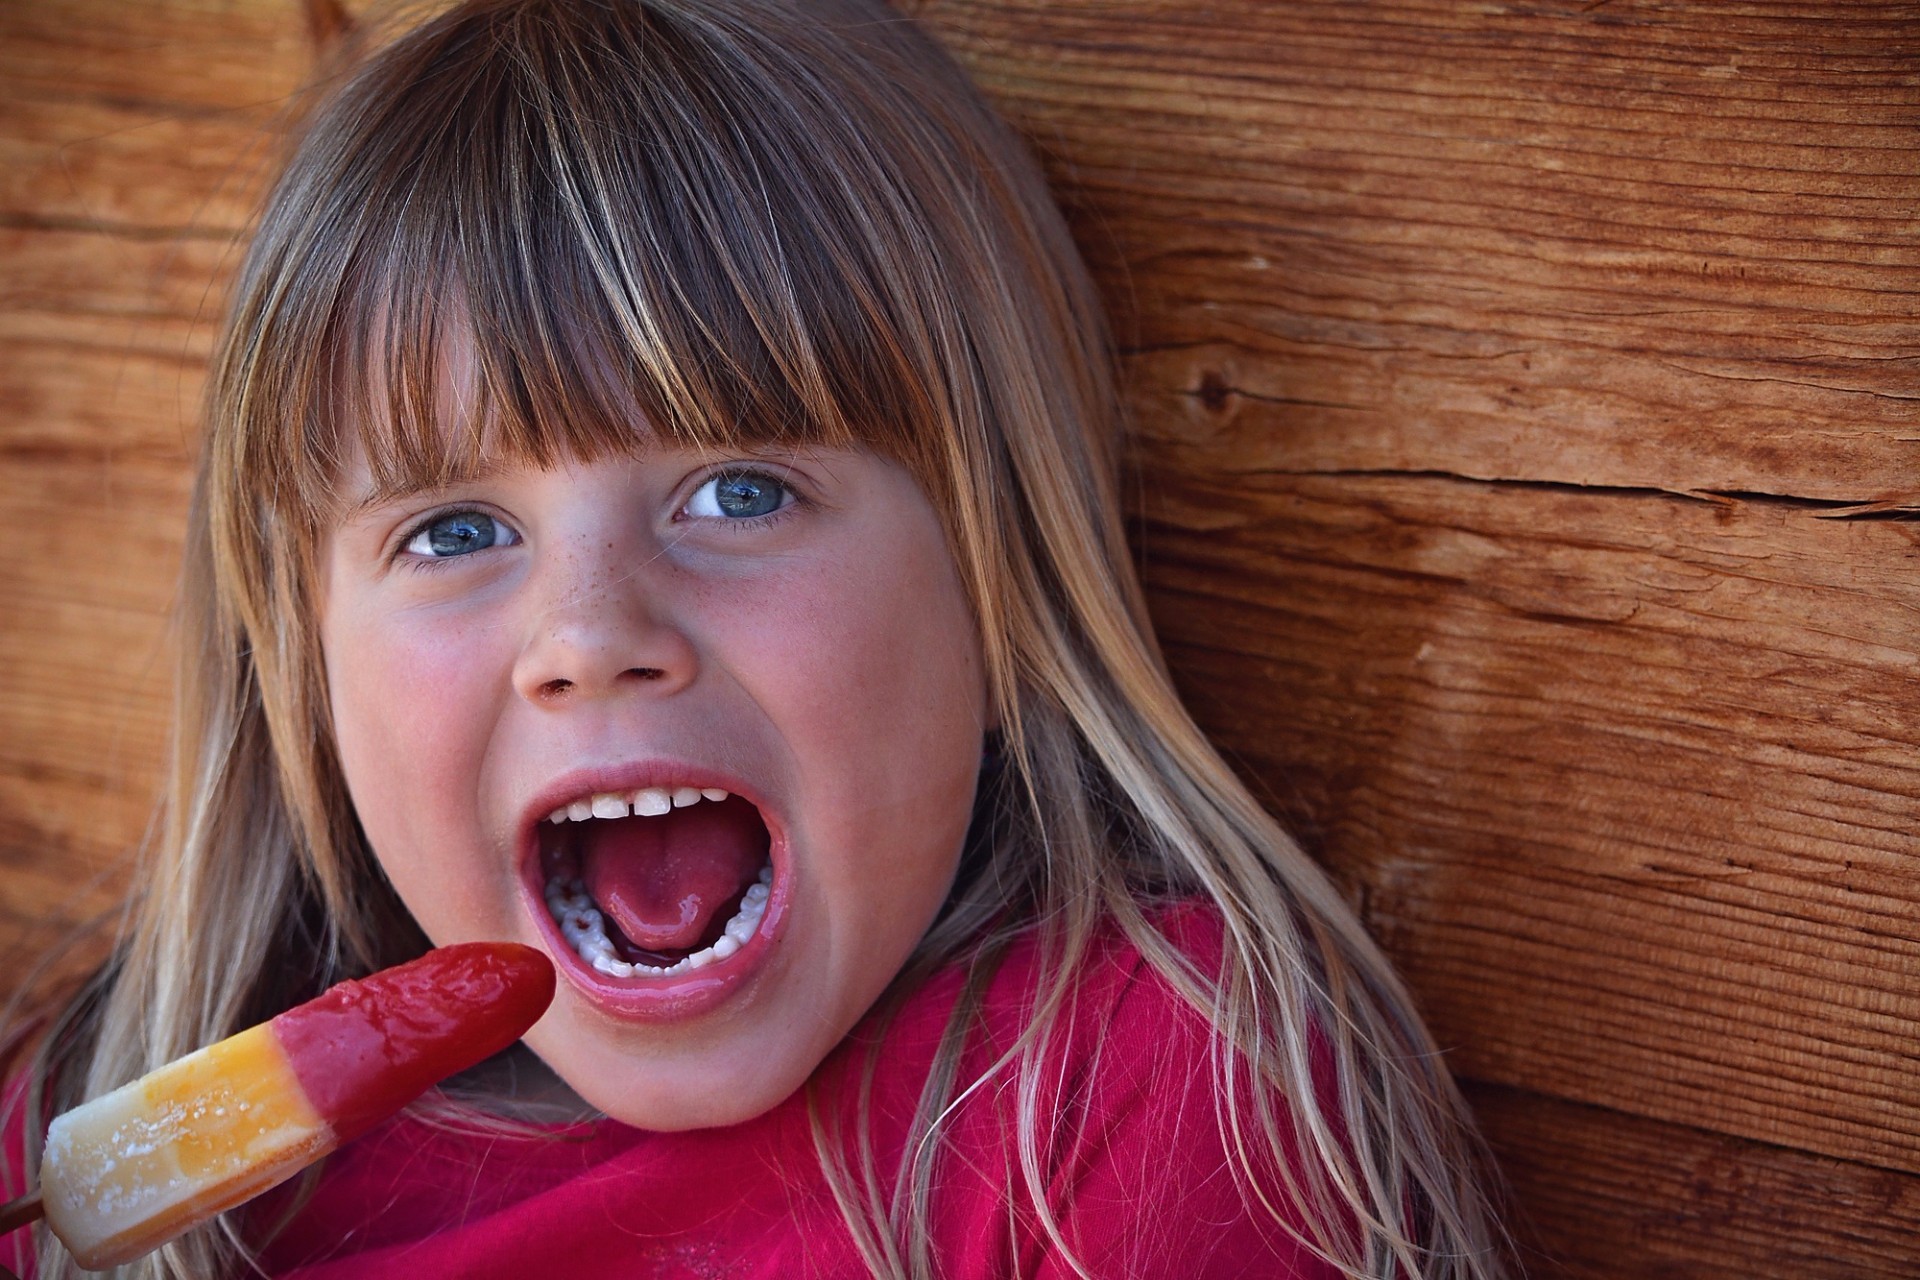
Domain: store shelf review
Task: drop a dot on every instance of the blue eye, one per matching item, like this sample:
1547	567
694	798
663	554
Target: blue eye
739	495
458	533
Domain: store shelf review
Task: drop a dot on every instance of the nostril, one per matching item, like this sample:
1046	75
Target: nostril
554	688
644	673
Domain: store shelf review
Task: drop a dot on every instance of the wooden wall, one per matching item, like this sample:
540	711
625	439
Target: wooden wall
1527	460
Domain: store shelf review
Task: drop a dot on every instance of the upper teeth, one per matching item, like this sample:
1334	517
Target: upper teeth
647	802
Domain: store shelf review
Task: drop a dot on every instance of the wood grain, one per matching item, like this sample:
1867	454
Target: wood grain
1626	784
1526	415
131	144
1501	376
1605	1194
1665	245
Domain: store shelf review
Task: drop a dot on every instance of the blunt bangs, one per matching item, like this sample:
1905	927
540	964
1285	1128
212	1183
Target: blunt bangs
567	230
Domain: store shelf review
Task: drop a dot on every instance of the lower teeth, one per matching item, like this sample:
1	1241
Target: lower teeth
582	925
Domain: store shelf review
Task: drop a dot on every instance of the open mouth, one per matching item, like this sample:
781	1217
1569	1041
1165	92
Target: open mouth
657	882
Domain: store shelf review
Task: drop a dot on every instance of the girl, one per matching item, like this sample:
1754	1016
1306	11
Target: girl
659	504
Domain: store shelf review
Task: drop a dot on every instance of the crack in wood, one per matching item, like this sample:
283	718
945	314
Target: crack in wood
1872	392
1887	507
1216	395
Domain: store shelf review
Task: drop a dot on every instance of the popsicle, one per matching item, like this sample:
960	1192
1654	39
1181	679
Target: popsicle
127	1172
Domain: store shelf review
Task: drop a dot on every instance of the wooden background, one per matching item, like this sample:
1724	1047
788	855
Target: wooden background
1527	459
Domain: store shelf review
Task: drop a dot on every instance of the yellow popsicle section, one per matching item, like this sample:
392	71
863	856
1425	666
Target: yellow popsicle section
128	1172
200	1135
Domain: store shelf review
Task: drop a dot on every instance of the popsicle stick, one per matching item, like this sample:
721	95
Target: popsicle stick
18	1213
15	1214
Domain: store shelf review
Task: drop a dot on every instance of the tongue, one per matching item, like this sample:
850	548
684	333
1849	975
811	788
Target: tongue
663	879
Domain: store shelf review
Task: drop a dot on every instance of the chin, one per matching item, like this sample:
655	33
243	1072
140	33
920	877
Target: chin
668	1089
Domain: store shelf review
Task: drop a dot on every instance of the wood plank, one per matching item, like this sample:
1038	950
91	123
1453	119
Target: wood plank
1650	245
99	405
1627	784
90	288
1609	1196
143	169
184	57
84	676
85	666
131	144
156	120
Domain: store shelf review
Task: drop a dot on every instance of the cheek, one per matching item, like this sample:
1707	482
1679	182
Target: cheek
408	704
882	697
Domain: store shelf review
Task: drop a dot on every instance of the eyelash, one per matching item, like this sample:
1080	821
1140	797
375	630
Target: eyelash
429	564
742	524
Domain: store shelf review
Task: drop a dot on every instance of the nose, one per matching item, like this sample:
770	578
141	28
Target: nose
603	626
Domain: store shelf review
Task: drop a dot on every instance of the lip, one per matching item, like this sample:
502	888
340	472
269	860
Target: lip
687	995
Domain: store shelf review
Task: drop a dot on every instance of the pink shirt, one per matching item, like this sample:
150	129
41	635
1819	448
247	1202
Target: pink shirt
1135	1168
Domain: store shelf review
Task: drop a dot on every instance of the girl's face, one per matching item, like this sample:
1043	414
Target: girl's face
655	631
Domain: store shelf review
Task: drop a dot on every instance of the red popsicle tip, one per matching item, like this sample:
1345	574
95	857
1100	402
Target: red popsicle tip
364	1049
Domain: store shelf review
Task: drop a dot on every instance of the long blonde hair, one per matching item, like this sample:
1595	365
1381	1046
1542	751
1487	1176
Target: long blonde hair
739	221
